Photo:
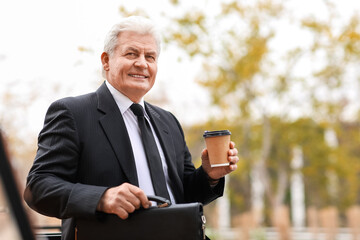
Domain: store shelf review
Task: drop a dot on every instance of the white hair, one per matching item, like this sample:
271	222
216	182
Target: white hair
136	24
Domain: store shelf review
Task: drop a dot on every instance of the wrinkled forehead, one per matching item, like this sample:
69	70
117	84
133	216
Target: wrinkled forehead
140	42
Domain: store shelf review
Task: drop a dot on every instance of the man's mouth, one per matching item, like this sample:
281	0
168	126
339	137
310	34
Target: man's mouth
137	76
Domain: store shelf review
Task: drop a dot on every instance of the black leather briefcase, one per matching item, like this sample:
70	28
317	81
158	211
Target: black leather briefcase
167	222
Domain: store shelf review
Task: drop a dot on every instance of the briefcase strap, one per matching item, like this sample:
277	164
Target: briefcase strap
162	202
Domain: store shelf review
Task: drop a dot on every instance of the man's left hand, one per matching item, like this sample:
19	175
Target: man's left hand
216	173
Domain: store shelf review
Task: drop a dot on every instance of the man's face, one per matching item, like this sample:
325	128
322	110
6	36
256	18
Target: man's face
132	67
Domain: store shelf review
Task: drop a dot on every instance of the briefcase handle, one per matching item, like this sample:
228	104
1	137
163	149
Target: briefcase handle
162	202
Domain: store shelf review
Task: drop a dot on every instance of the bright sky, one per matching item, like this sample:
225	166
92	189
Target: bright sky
39	48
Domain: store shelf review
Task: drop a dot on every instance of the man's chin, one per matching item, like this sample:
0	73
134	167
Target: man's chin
136	93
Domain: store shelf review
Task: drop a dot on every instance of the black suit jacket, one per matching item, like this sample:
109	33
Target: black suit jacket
84	148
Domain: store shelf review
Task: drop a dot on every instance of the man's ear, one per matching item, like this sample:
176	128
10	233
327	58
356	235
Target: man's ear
105	61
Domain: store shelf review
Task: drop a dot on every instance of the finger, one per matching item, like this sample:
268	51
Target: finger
134	201
233	159
233	167
232	144
204	154
233	152
121	213
133	195
144	201
140	196
126	206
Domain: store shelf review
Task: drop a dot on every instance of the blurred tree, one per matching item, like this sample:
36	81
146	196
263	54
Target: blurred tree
16	129
269	94
241	82
335	47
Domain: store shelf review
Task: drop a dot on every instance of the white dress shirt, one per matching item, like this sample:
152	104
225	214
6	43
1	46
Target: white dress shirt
131	123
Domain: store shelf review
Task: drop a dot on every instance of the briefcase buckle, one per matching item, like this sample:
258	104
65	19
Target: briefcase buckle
163	205
203	219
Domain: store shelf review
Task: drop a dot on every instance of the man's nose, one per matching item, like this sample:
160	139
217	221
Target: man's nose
141	62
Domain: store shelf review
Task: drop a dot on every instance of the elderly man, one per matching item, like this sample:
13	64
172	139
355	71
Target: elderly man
93	154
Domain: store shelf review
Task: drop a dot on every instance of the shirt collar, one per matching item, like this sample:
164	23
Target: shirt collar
121	100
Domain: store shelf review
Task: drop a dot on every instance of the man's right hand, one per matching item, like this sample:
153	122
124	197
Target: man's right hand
123	200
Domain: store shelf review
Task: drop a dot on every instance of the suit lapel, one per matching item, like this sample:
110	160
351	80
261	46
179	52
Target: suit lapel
114	127
167	144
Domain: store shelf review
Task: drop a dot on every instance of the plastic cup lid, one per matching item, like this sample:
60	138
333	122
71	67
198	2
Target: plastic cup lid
216	133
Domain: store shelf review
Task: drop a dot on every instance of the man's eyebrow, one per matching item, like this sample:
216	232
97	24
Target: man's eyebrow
132	49
151	52
147	52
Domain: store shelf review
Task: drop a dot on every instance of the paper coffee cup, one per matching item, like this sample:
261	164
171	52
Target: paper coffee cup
218	145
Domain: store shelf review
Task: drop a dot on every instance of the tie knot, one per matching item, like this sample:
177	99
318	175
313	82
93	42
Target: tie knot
137	109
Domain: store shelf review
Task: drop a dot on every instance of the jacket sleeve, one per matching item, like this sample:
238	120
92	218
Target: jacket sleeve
195	181
52	187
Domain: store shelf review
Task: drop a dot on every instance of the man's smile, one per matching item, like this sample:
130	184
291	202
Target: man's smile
137	76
